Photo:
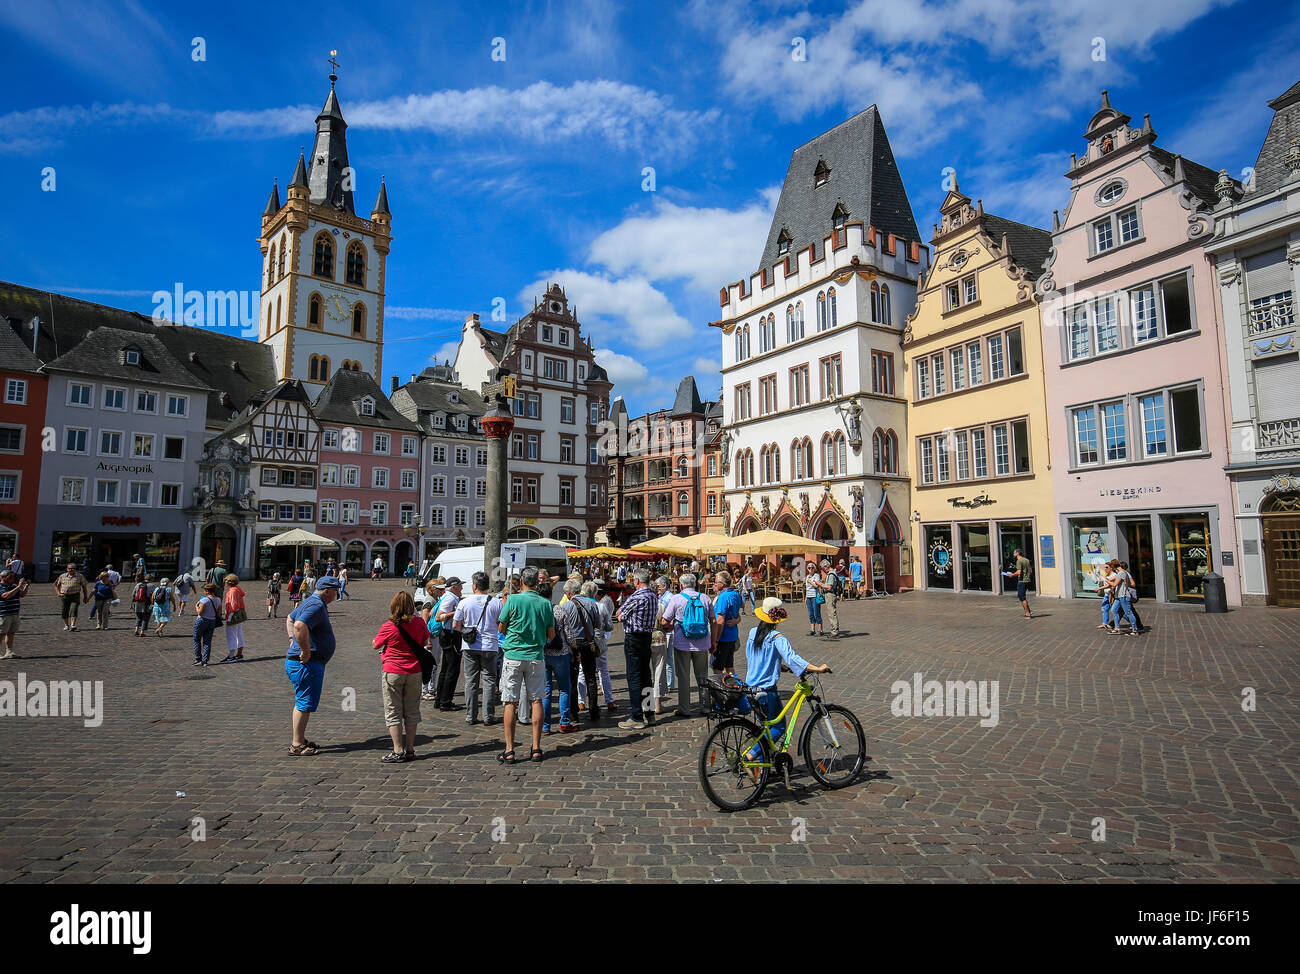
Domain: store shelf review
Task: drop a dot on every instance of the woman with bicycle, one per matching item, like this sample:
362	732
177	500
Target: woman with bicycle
765	651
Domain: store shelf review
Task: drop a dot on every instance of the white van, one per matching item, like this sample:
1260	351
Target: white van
544	555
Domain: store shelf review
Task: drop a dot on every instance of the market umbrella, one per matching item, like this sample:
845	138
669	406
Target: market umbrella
668	544
769	542
298	536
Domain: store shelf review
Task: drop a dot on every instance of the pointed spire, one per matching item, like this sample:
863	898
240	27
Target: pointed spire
300	173
273	202
1146	124
980	207
1179	175
1056	220
381	203
1105	100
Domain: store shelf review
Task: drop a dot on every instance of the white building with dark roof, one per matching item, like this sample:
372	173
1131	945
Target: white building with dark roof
811	349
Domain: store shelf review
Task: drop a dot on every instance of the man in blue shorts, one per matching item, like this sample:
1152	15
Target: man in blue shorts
310	648
855	577
727	606
1023	574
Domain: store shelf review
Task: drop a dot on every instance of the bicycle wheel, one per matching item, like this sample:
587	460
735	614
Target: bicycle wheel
834	746
728	784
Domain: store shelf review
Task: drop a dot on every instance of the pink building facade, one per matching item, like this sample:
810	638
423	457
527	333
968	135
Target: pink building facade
1136	374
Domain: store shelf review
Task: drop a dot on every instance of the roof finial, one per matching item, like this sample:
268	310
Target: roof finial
1105	98
334	66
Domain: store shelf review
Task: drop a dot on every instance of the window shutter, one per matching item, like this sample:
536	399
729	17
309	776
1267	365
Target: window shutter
1277	388
1268	274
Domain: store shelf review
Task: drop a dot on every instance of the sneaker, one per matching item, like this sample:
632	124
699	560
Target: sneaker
568	728
67	628
632	724
197	663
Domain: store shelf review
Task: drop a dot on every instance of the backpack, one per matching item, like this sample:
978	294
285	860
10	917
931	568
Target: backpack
160	595
695	625
103	590
837	583
141	593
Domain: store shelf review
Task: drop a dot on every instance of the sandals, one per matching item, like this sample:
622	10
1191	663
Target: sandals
392	757
307	748
506	757
535	755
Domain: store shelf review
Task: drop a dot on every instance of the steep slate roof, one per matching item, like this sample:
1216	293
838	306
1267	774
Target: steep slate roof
337	403
499	341
329	157
420	399
863	175
99	353
688	397
206	354
1200	179
290	390
14	355
1029	245
1271	171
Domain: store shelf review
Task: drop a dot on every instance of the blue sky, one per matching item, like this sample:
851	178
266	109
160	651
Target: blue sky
504	174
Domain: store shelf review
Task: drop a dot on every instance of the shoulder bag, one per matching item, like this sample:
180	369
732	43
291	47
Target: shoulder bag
470	633
423	655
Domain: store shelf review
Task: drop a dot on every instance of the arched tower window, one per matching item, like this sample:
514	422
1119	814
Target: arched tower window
875	301
270	267
324	367
278	304
884	305
314	311
313	368
268	319
830	295
284	246
323	265
356	273
821	310
891	452
359	319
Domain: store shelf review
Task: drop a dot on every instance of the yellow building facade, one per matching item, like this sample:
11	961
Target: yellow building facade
977	407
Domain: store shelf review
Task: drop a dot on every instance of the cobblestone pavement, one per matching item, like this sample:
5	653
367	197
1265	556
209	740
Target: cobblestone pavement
1148	734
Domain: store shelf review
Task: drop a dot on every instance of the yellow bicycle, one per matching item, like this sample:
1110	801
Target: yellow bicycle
738	755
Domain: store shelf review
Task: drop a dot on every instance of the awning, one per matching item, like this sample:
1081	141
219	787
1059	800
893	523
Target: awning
298	536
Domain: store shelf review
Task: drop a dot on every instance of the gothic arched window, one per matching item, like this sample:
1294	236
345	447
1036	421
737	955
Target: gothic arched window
284	247
359	319
323	265
313	311
270	268
830	293
884	305
356	273
313	368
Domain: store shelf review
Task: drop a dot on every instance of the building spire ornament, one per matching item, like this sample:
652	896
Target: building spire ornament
334	68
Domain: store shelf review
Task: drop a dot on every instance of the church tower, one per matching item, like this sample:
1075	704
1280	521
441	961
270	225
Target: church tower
322	306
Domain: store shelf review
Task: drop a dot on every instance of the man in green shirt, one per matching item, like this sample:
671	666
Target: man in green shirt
526	625
1023	575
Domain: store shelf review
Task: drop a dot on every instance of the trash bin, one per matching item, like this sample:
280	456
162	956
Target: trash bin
1216	596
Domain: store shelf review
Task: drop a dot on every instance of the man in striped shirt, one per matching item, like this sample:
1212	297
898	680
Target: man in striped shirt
639	613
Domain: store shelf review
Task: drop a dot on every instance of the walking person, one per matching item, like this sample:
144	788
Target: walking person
141	604
812	593
342	575
235	616
727	607
377	569
639	614
1120	583
1133	598
184	586
72	591
688	615
273	596
105	597
12	590
449	641
164	601
1023	575
475	621
525	626
399	641
311	646
207	616
855	577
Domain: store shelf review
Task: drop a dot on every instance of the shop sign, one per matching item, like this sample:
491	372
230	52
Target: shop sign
125	467
1127	493
1047	550
940	557
118	520
979	500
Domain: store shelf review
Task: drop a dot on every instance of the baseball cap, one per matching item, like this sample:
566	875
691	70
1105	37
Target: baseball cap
454	581
327	581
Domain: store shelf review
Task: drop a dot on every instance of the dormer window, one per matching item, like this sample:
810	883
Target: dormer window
460	422
783	242
454	397
822	174
367	406
439	420
130	355
839	216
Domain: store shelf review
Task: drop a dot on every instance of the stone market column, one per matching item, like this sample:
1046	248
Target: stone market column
497	430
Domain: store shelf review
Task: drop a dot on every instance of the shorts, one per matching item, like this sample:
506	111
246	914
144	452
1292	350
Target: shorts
401	694
70	604
9	624
725	657
517	674
1022	591
814	611
308	680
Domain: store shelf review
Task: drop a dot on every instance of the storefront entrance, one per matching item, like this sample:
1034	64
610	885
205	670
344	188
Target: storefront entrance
1281	517
938	557
1016	536
1140	555
976	558
217	543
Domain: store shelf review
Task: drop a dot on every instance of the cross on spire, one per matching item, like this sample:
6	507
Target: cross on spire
334	68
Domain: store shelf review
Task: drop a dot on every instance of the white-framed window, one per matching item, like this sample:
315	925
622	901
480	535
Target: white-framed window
438	454
480	457
110	443
975	362
329	512
970	293
438	486
593	495
958	358
288	478
927	461
997	363
462	486
406	515
115	398
566	410
480	518
305	512
555	368
922	378
146	401
351	476
1116	229
139	493
266	511
460	518
75	439
72	490
382	443
169	495
286	512
409	446
366	407
379	478
378	513
437	516
106	492
80	394
16	392
173	448
408	480
306	478
595	413
329	475
329	439
566	493
462	456
142	446
348	512
480	487
593	453
178	405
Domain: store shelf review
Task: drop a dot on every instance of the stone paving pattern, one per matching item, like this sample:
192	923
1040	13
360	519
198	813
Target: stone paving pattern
1148	733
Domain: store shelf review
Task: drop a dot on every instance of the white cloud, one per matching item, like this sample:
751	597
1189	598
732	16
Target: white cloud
706	370
425	314
629	309
622	369
709	247
447	353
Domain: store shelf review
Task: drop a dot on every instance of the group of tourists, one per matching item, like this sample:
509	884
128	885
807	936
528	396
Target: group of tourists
1119	595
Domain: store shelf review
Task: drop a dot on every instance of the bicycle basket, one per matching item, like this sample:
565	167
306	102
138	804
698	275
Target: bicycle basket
725	697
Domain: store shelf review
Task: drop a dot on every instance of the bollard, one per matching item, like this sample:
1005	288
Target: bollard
1216	596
